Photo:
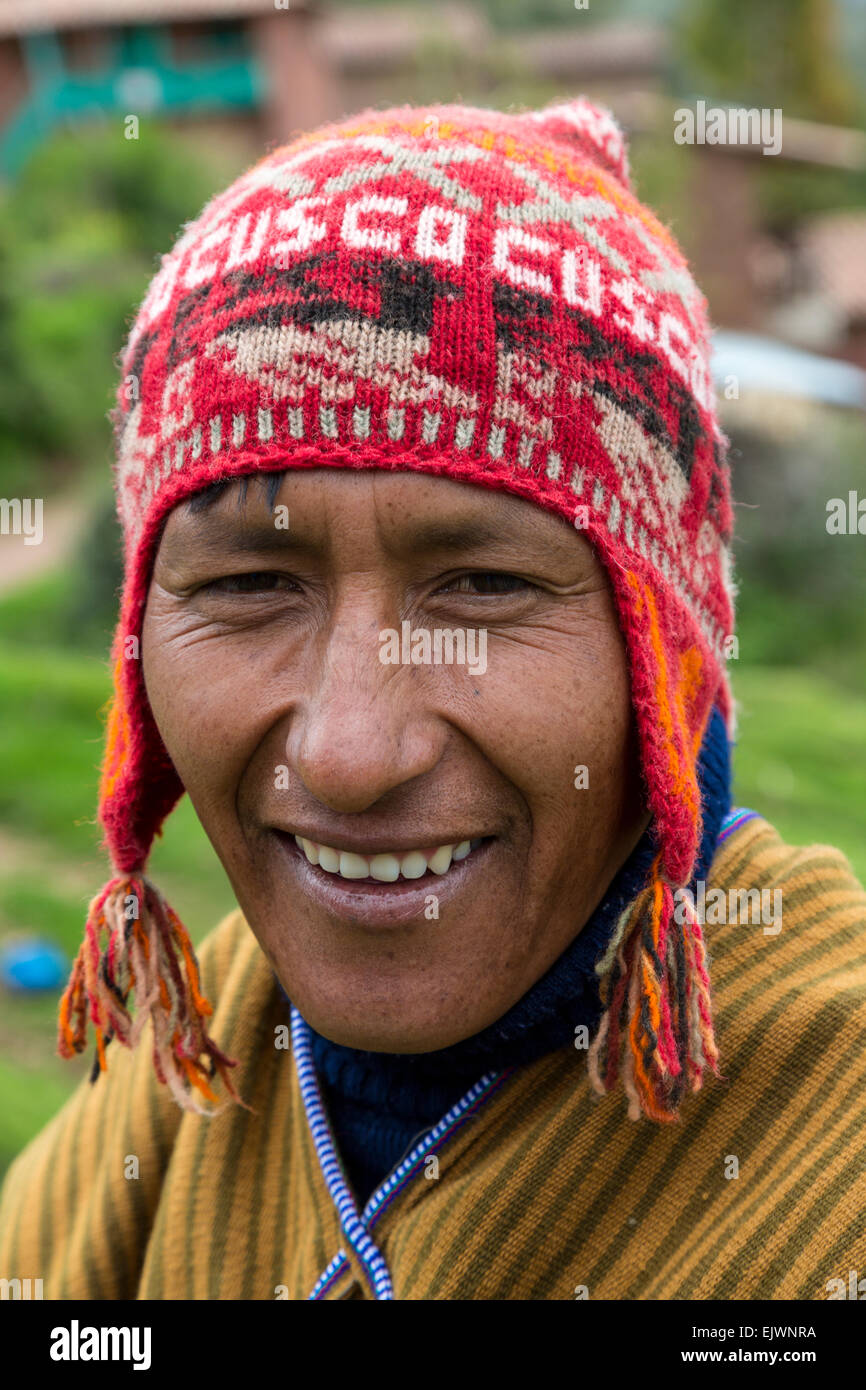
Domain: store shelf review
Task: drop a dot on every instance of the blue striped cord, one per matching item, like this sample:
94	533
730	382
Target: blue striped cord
352	1226
331	1274
355	1228
448	1125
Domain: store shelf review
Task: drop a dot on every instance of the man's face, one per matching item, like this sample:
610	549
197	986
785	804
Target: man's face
263	663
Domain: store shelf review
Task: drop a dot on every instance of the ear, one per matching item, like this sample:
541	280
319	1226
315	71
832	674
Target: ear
590	130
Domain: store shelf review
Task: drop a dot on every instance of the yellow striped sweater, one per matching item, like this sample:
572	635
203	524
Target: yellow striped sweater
537	1189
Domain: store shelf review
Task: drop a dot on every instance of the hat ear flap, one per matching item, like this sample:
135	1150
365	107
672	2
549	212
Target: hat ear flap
588	128
139	785
136	953
656	1032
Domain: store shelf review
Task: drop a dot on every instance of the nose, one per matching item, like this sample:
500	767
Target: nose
366	727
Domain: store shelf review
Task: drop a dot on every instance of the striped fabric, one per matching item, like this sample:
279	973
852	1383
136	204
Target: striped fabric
534	1188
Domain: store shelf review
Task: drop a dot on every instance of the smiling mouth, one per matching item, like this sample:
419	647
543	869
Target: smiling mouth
415	879
396	866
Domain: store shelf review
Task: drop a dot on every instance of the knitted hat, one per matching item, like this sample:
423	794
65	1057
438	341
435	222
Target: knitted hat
479	296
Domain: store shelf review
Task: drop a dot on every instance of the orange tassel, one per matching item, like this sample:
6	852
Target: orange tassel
656	1031
136	949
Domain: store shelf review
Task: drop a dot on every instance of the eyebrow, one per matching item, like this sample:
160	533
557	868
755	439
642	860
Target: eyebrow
453	534
476	532
208	496
234	533
220	532
218	529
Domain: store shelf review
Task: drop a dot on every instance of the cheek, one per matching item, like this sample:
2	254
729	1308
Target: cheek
555	712
200	701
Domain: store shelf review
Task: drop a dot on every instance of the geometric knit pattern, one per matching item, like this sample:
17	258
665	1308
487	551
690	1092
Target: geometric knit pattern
545	1189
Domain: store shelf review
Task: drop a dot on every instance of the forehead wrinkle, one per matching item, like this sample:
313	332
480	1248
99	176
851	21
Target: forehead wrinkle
470	523
235	532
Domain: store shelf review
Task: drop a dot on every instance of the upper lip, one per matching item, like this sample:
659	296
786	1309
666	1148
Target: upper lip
371	844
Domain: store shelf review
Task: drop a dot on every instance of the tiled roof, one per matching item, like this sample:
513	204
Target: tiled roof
30	16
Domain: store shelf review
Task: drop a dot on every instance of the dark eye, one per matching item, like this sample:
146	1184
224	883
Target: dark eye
487	582
252	582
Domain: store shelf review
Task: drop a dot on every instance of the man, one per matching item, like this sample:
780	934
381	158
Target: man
427	598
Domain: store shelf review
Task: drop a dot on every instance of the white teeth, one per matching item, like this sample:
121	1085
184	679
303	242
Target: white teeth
413	864
441	860
329	859
385	868
353	865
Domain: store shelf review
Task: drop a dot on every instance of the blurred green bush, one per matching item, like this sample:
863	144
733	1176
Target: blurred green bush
80	233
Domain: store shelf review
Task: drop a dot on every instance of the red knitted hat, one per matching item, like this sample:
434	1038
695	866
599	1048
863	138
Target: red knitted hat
464	293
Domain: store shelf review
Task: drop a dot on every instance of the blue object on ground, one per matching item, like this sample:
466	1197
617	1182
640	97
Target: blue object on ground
29	966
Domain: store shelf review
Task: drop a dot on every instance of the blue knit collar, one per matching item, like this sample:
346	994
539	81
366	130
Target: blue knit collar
421	1084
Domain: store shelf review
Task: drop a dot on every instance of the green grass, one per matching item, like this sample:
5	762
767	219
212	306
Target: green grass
51	864
799	757
28	1099
50	748
50	742
798	762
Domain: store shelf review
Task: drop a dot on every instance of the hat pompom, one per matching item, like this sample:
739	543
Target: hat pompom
581	123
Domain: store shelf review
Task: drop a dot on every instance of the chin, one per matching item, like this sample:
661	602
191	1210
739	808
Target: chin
407	1033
